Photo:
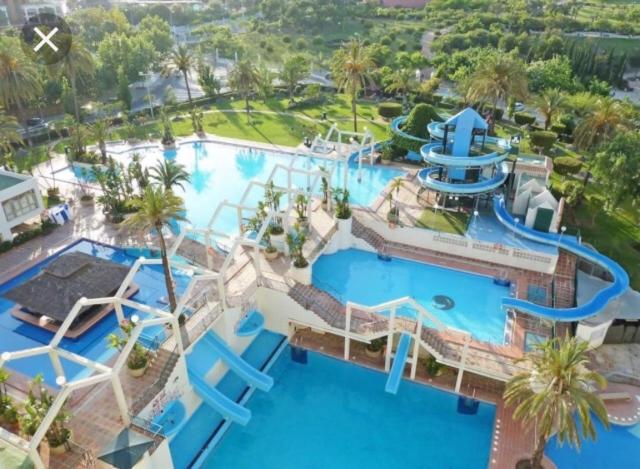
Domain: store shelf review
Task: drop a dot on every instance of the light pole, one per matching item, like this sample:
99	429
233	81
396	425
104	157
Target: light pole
146	84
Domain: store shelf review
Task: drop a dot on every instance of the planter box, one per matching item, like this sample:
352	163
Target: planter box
137	373
344	234
301	275
270	255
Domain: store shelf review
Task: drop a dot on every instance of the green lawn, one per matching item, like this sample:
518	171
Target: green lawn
446	221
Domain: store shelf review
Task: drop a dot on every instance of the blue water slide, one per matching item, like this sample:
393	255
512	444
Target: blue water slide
218	401
397	368
395	128
432	153
600	300
425	176
251	375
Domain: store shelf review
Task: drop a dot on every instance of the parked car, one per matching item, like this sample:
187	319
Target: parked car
35	126
519	107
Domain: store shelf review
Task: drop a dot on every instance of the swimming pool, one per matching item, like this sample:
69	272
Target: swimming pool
616	448
329	413
470	302
221	171
17	335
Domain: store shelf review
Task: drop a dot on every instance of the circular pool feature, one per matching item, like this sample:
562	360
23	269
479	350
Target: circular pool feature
172	417
443	302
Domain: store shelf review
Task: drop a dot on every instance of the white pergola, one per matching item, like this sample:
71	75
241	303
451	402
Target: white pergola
100	372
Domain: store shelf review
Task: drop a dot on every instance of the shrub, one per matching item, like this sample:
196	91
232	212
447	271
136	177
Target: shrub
543	139
416	124
497	112
567	166
390	110
560	129
522	118
386	40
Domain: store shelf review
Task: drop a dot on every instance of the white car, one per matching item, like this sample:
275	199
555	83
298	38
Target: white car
519	107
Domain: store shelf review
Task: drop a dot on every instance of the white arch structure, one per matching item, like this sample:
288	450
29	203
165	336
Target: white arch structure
99	371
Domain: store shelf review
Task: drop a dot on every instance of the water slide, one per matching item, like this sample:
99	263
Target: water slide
600	300
251	375
397	368
219	402
427	179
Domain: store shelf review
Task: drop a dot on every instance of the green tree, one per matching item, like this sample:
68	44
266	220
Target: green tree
156	210
600	123
99	132
243	80
557	392
555	73
617	166
124	93
19	80
549	103
402	81
208	81
351	69
264	85
77	66
9	133
157	32
169	174
499	78
181	60
294	69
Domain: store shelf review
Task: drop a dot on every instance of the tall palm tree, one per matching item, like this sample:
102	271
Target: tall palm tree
264	84
181	60
556	393
549	103
244	79
100	133
9	132
402	81
351	70
600	123
155	210
169	174
78	66
499	77
19	80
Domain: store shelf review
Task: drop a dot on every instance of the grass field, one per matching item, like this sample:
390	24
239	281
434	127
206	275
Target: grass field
446	221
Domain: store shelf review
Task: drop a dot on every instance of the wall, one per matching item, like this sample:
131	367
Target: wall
278	308
29	183
460	246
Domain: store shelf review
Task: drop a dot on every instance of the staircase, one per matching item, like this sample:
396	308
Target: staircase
160	368
368	235
320	302
564	280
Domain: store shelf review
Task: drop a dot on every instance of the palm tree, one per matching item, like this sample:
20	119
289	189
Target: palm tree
100	133
77	65
169	174
154	211
9	132
556	393
294	69
244	79
351	67
600	123
19	80
264	84
181	60
402	81
549	103
499	77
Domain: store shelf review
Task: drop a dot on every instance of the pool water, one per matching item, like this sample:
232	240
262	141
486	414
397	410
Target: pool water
332	414
221	171
617	448
469	302
17	335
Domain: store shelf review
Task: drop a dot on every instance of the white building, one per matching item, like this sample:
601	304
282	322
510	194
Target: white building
20	200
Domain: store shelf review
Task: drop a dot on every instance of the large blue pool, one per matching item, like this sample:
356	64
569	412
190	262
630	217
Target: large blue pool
329	413
16	335
617	448
359	276
221	171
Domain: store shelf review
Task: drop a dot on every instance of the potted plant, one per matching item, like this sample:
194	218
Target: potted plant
325	188
432	367
86	197
393	216
375	347
386	154
138	357
300	267
197	122
255	224
342	212
272	202
301	207
168	140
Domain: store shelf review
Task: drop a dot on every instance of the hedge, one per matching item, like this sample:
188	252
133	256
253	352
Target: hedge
416	125
567	166
390	110
498	113
45	228
543	139
522	118
560	129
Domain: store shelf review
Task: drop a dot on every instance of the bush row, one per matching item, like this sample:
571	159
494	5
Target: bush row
45	228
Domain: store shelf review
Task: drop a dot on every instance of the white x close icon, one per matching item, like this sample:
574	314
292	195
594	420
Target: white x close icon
46	39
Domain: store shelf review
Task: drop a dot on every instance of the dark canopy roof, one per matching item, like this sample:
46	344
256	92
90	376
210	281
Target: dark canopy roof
55	290
126	449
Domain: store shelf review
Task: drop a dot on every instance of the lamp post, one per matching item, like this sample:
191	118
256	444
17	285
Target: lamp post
146	84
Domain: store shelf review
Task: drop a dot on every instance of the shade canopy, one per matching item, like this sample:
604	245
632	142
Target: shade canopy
126	449
65	280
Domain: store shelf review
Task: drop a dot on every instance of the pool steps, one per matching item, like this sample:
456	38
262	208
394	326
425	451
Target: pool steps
399	361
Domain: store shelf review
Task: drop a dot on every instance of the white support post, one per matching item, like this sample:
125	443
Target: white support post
119	311
257	260
207	243
55	361
221	291
392	326
463	359
347	328
120	398
34	455
416	347
359	164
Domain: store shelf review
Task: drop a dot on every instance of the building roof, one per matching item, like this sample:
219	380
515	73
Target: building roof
59	285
